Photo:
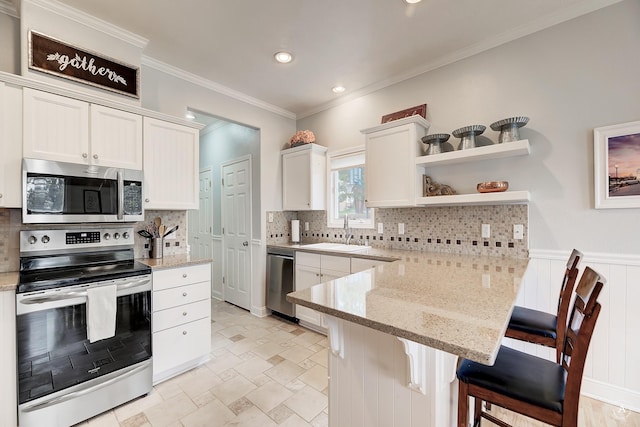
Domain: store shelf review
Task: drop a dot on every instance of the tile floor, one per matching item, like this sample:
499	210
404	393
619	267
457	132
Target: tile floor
267	372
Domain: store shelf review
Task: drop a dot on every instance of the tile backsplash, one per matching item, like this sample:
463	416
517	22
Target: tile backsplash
451	229
11	225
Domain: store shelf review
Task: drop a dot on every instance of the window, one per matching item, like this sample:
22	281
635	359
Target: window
347	190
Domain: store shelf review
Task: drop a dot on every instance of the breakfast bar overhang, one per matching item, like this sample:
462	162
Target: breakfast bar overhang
396	332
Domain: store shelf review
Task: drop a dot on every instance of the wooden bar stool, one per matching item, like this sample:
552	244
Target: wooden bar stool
530	385
544	328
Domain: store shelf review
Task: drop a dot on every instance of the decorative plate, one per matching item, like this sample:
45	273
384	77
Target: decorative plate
475	129
519	121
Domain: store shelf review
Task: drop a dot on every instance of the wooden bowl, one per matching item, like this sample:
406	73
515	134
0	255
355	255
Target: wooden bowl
493	186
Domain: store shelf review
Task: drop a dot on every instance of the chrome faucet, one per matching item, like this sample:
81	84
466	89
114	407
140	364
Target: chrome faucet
347	231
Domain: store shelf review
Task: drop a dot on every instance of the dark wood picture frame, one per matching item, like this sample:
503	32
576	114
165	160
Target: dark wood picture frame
55	57
420	110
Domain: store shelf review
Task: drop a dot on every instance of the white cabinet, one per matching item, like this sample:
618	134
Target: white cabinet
304	176
10	146
170	165
69	130
181	321
116	138
313	269
391	149
8	351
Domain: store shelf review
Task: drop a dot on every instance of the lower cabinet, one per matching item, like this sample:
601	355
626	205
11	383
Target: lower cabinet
312	269
181	319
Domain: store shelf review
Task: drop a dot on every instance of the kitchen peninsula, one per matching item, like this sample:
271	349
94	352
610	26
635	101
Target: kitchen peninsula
427	309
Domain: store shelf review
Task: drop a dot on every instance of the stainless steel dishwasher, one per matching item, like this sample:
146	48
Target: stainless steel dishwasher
280	281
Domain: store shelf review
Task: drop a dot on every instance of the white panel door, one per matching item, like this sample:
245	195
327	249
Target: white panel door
236	226
170	165
55	127
201	220
116	138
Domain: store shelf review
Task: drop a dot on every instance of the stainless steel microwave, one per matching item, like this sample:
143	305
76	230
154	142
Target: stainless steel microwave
58	192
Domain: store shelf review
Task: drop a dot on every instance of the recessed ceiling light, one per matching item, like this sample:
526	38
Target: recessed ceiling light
338	89
283	57
189	115
412	1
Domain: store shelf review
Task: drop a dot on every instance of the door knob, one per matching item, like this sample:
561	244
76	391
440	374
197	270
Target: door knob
245	243
95	156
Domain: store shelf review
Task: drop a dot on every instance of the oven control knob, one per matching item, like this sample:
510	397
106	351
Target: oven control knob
45	239
125	235
116	236
107	236
32	240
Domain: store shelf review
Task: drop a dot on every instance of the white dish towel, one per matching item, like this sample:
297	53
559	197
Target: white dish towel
101	313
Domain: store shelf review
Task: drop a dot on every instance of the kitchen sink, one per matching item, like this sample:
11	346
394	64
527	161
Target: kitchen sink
337	247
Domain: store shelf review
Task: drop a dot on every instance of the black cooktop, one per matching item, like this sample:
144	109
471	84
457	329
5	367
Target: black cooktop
55	271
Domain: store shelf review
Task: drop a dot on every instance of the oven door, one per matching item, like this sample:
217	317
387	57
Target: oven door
54	353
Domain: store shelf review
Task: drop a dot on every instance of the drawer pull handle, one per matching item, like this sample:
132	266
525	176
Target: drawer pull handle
184	294
184	332
184	275
184	313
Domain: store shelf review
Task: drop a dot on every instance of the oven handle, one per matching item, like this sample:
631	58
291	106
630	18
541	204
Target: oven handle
120	376
40	299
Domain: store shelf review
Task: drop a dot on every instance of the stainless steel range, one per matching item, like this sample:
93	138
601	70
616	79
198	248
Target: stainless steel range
64	377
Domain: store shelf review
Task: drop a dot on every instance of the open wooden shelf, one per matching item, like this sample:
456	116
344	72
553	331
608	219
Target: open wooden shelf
495	151
505	198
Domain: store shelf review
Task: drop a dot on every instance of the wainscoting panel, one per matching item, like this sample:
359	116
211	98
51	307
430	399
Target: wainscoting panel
612	372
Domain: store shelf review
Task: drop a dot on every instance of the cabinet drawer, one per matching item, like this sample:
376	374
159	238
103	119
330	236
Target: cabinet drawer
308	259
336	263
175	346
179	296
174	277
165	319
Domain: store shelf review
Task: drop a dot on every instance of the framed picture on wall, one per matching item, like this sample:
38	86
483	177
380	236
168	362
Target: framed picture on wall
617	165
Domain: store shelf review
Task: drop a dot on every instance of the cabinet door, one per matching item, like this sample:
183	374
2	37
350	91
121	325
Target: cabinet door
179	345
55	127
304	178
305	278
116	138
170	165
10	146
391	170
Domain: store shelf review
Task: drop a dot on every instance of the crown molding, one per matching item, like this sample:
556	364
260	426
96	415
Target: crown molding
216	87
545	22
10	7
90	21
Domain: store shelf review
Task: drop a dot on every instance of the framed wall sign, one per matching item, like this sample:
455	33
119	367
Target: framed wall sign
420	110
616	154
55	57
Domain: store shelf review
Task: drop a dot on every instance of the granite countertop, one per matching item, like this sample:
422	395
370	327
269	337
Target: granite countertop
9	281
367	252
460	304
173	261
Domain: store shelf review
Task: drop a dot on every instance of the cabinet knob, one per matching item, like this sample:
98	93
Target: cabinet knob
0	195
184	332
317	274
184	275
184	294
95	156
146	200
184	313
85	155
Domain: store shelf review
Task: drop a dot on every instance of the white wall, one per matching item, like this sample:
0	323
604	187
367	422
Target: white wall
568	79
169	94
9	38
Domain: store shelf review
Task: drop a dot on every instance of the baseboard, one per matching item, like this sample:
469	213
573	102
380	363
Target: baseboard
612	394
260	311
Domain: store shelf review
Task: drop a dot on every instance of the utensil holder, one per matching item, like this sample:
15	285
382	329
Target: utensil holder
156	247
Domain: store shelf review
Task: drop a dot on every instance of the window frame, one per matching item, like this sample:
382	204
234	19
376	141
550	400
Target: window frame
339	222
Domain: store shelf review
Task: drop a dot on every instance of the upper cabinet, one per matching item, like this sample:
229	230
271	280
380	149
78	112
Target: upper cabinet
171	165
390	157
10	146
69	130
116	138
55	127
304	176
